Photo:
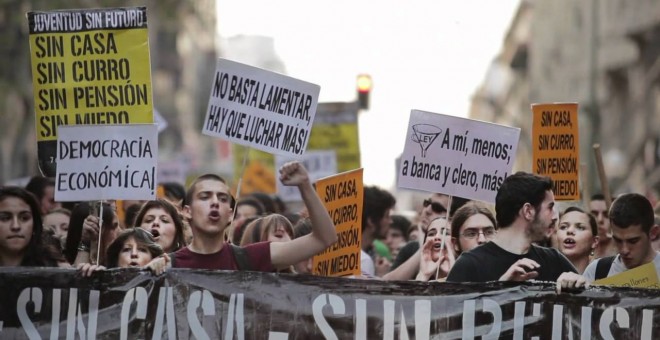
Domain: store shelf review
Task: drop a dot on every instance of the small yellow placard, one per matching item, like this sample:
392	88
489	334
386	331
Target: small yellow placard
644	276
342	196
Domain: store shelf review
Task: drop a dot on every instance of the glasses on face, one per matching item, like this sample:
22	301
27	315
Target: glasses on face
474	233
435	206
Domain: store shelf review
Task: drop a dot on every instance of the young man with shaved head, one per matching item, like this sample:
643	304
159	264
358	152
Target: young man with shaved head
209	206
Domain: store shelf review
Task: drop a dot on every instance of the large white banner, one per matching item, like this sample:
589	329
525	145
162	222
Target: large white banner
99	162
319	164
261	109
456	156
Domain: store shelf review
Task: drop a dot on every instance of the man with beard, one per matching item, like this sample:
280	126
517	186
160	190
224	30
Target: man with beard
208	206
524	208
633	229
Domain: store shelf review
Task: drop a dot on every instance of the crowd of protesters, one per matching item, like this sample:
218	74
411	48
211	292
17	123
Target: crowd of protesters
524	237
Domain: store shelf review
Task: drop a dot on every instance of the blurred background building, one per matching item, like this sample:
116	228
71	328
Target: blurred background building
604	55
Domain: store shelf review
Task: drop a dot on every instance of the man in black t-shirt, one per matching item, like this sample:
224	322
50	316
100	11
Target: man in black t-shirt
524	207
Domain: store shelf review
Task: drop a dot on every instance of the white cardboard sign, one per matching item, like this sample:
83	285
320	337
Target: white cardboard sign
99	162
260	109
319	164
456	156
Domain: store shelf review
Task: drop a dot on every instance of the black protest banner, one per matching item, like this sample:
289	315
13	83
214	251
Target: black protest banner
89	66
129	303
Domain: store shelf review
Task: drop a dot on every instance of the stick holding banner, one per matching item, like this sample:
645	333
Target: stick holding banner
444	233
240	181
602	176
98	250
586	194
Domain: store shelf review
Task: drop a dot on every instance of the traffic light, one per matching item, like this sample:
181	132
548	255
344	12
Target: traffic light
364	85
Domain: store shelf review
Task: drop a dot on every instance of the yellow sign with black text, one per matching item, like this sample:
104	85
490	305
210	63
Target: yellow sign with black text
556	147
342	195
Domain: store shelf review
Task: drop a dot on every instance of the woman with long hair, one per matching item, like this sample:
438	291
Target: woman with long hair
163	221
133	248
21	230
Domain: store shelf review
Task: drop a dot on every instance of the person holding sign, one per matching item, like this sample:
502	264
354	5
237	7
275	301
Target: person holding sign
209	205
633	228
524	210
577	237
20	230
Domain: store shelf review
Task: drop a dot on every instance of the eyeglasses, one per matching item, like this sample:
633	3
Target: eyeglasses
435	206
474	233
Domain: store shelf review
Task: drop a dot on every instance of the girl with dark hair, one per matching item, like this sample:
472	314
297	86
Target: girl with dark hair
163	221
577	237
21	230
133	248
438	254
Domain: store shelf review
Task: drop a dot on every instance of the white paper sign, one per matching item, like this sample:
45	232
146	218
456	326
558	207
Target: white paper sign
456	156
99	162
319	164
171	171
160	121
260	109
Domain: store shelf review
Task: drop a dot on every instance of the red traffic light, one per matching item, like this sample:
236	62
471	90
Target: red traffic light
364	83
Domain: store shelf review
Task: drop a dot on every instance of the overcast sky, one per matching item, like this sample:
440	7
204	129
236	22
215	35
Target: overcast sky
429	55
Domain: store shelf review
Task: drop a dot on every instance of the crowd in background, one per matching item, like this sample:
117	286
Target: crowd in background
450	238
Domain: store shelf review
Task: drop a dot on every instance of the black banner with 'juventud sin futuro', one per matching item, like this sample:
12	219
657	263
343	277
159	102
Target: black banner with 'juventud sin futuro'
185	304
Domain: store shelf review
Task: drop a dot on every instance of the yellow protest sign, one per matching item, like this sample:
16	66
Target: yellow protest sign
88	67
259	174
644	276
555	147
336	128
342	196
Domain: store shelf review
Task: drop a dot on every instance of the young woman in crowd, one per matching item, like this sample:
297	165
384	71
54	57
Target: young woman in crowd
246	208
21	230
577	237
438	254
472	224
271	228
58	220
133	248
163	221
397	234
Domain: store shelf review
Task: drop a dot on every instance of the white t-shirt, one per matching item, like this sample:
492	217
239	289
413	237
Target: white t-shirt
616	268
367	266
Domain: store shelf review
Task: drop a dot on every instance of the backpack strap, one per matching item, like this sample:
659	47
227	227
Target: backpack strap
603	267
241	257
